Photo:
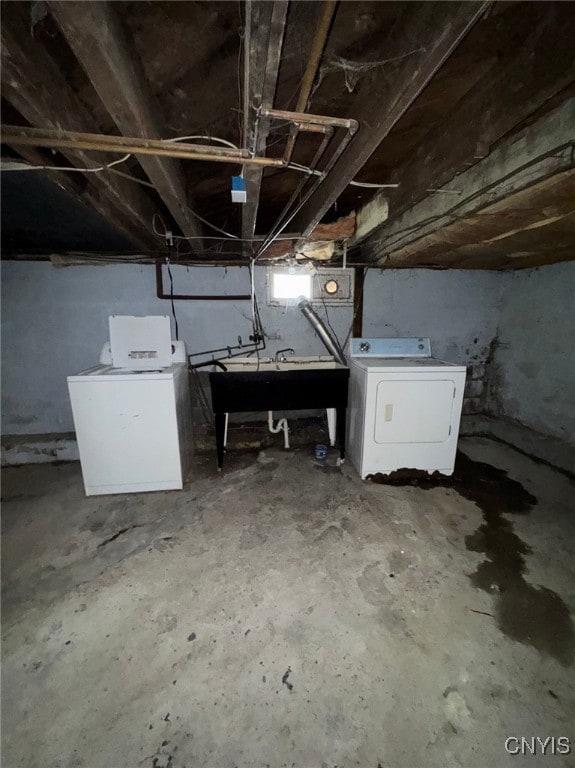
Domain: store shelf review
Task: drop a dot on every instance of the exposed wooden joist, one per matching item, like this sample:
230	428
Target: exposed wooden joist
370	217
540	151
267	24
529	228
431	31
35	86
523	79
97	36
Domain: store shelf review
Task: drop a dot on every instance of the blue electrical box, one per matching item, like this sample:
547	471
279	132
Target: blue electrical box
239	193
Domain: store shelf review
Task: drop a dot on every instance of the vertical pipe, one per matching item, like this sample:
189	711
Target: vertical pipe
317	46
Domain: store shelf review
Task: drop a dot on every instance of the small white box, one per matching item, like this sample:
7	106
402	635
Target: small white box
140	343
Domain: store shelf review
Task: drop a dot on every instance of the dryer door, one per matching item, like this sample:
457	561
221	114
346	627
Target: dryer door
416	410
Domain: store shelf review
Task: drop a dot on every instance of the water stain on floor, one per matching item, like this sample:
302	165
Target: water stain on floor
528	614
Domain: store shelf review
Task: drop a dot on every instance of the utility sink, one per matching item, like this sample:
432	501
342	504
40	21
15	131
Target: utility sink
298	383
313	362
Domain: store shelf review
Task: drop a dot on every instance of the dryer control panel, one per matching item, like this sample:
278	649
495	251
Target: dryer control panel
368	347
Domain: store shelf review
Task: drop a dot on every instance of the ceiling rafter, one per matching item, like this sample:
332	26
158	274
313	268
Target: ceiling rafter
515	87
34	85
265	34
101	44
432	31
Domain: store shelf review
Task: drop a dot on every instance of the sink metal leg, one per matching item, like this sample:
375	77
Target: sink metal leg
220	419
341	431
226	430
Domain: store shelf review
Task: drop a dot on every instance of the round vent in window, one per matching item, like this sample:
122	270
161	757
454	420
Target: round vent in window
331	287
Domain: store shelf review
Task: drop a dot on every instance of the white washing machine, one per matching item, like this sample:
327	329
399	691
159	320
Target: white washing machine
404	407
134	427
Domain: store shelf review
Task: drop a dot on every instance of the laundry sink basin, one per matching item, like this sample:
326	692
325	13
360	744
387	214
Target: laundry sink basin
298	383
267	364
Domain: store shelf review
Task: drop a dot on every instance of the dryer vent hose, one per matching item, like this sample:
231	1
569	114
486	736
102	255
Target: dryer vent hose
320	328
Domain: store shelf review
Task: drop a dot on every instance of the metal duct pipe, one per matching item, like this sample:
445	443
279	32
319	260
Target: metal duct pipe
320	328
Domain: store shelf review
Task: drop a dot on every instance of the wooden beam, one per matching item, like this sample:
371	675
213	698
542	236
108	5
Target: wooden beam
101	44
431	31
526	76
370	217
36	87
531	227
266	33
541	150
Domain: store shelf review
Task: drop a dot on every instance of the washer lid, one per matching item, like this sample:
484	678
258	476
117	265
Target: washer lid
140	343
404	347
109	373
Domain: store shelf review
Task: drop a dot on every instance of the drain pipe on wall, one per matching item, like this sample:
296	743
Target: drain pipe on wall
282	424
320	328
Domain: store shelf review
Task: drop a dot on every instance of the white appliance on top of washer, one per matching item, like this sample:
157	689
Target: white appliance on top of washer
404	407
133	424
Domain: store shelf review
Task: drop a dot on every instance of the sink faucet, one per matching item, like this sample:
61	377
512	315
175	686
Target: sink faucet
280	357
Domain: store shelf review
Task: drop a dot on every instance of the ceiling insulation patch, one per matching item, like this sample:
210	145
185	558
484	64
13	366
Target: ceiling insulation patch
320	250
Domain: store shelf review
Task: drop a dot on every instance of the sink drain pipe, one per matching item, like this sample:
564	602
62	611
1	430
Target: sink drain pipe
320	328
282	424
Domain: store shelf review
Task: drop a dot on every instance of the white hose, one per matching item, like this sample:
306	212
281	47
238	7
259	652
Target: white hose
282	424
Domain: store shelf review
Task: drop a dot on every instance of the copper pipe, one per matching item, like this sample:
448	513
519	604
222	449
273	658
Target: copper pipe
312	128
317	47
303	117
317	157
279	226
37	137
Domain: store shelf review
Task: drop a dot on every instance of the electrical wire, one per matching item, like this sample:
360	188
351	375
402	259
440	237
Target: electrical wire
369	185
172	295
228	235
26	167
315	172
205	138
206	237
209	224
364	273
198	388
328	321
255	314
132	178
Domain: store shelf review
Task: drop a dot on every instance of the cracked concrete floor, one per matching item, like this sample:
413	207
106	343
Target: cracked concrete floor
283	613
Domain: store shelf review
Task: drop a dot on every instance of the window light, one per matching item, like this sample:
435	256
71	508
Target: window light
287	286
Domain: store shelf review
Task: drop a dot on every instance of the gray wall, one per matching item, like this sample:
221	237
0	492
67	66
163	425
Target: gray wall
55	321
532	378
457	309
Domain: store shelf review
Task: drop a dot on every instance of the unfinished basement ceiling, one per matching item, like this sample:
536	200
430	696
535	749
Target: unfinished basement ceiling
453	101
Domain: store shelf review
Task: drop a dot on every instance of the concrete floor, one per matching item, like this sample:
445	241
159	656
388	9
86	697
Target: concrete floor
285	613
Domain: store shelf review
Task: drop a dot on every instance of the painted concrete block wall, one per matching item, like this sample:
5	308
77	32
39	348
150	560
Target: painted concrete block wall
532	379
55	321
457	309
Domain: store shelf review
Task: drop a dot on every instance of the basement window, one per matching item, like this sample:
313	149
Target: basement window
287	285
